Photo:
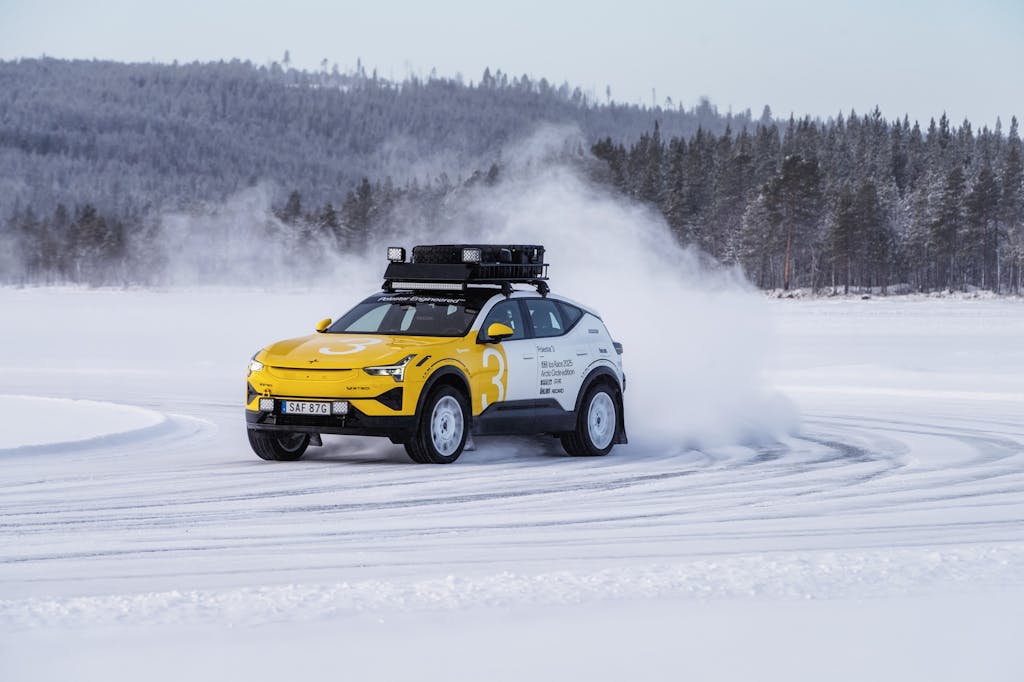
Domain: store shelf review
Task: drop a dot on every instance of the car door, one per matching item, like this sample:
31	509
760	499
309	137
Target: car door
557	362
519	359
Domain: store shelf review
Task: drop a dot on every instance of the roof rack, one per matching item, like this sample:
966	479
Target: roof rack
453	267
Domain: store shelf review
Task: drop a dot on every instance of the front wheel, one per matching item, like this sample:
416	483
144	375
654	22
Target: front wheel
444	425
281	446
596	424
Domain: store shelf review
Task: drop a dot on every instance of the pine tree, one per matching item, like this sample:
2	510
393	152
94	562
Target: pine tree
58	257
794	203
876	235
615	156
1011	206
98	244
292	212
842	239
675	206
900	170
733	183
947	222
767	153
358	212
649	167
757	241
698	191
980	248
329	226
28	236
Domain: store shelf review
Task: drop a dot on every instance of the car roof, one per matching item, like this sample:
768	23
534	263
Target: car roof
522	293
477	296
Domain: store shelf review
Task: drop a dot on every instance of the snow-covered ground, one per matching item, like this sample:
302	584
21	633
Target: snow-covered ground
58	425
883	539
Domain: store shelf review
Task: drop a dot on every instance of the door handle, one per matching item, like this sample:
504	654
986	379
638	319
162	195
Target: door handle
527	357
581	352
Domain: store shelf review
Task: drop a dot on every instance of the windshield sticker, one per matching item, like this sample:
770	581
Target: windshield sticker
421	299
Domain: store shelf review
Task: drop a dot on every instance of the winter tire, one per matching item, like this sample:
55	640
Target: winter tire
278	446
596	424
443	428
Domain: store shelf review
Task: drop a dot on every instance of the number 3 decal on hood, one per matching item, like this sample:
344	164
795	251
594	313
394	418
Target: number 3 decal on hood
355	346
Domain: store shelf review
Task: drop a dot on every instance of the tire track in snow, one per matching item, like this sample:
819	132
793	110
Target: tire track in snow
175	508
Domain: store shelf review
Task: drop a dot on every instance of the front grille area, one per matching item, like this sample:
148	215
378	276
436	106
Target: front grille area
311	374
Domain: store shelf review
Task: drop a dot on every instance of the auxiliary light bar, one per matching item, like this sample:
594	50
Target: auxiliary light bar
396	254
472	255
433	286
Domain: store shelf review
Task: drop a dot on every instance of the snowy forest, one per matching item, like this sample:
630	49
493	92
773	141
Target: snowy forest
95	155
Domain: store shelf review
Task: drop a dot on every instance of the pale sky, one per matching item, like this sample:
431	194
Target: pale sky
920	57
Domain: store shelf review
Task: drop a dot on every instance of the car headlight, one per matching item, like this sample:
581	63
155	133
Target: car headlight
255	365
395	371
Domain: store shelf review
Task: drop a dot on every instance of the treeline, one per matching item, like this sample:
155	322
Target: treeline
137	138
852	202
213	242
106	168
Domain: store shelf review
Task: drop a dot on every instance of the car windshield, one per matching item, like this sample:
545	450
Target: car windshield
406	314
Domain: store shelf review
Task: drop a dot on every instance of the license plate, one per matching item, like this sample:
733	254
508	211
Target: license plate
296	407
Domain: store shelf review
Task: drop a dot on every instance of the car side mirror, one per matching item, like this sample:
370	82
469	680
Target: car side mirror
323	324
498	332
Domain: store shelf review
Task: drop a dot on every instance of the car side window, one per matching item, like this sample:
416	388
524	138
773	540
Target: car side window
570	314
507	313
545	316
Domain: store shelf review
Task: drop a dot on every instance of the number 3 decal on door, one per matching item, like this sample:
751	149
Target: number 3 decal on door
498	379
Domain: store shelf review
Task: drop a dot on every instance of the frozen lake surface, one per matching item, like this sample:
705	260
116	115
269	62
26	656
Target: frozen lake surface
882	537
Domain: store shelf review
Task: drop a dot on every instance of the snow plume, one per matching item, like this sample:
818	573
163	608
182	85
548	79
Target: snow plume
696	335
242	243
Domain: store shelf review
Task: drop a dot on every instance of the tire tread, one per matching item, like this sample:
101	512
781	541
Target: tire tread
265	445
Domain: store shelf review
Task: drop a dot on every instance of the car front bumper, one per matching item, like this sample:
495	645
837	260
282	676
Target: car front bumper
355	423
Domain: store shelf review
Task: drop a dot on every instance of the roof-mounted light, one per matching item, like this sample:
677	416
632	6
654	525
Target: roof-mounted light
432	286
473	255
396	254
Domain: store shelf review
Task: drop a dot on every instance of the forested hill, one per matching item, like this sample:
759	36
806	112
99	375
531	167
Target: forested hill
129	137
95	155
854	201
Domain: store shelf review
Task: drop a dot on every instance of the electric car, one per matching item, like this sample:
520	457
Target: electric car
450	348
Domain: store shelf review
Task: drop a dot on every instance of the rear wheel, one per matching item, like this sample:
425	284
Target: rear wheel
281	446
443	428
596	424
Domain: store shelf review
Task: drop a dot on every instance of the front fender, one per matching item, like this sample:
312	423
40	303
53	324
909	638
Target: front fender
448	373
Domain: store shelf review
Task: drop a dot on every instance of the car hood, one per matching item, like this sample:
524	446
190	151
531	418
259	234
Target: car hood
346	351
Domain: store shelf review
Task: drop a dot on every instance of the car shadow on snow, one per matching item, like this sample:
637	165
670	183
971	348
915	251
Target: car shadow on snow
486	451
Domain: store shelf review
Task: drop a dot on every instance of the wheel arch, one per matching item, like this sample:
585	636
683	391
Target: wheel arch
446	375
603	374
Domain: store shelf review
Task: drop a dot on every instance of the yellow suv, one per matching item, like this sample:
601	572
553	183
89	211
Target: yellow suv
449	348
